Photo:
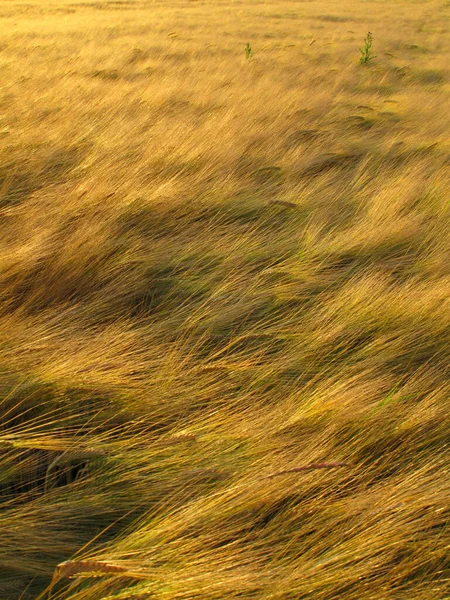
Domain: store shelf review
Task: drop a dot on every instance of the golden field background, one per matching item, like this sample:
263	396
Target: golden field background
214	270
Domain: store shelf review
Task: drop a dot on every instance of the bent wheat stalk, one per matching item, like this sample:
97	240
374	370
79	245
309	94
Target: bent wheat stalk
64	459
283	203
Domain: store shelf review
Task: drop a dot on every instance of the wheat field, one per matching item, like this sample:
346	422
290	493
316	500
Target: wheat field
225	300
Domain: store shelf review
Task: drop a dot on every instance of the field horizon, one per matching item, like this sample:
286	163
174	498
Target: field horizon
225	300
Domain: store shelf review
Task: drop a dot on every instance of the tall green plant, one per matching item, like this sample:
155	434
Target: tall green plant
366	52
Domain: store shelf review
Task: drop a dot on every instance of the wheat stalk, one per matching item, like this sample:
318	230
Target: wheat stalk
283	203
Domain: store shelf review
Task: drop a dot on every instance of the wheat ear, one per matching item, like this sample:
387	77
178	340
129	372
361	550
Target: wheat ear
72	568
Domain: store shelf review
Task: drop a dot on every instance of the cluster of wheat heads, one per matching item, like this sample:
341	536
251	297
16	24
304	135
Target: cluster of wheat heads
224	310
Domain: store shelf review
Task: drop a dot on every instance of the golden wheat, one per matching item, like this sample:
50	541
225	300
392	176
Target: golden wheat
224	308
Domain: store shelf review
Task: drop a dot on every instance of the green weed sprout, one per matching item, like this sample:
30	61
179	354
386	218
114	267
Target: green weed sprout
366	52
248	51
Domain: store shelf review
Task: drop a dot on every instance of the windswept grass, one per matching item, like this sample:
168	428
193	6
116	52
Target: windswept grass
225	301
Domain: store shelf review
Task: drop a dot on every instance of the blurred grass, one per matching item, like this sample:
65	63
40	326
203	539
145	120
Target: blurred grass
215	269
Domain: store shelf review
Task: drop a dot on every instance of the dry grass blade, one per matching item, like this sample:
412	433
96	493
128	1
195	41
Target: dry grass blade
311	467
